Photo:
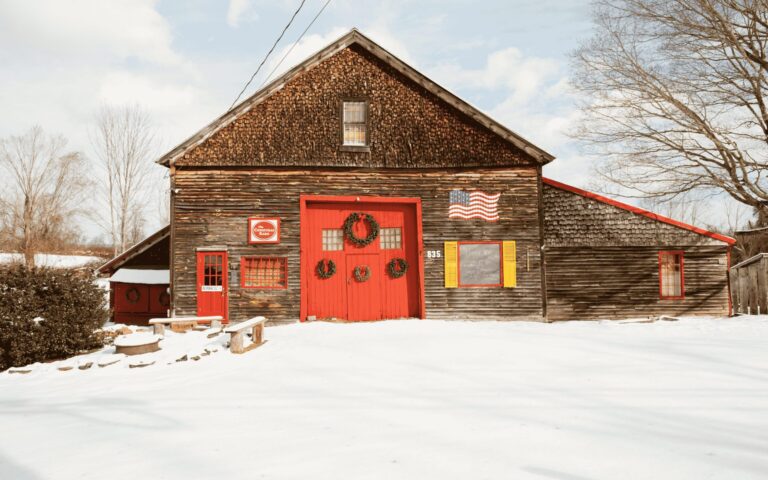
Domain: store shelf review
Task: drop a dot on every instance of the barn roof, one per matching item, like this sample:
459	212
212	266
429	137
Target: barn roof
639	211
354	37
135	250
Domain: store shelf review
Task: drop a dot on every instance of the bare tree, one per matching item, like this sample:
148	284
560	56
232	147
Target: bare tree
124	145
674	96
43	184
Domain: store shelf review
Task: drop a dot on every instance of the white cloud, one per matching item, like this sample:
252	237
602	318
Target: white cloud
125	88
238	11
83	29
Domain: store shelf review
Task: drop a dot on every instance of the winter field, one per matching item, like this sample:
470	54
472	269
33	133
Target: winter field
52	260
409	400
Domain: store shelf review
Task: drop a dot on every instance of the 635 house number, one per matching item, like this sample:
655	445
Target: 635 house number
434	254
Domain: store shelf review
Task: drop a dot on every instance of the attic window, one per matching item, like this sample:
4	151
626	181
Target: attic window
355	124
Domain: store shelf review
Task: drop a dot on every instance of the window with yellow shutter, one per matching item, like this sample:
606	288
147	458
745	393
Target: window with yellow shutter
480	264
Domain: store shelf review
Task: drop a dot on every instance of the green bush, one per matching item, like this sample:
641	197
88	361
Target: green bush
71	307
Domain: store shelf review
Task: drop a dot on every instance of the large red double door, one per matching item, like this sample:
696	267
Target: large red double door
343	295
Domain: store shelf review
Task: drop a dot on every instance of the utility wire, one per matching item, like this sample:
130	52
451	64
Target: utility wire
294	45
268	54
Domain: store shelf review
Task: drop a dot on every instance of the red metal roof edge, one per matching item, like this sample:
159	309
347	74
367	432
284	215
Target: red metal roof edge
639	211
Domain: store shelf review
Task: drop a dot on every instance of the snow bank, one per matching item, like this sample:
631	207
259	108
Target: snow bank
409	400
51	260
147	277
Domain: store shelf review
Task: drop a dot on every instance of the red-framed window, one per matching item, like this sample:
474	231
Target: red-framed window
671	275
264	272
480	264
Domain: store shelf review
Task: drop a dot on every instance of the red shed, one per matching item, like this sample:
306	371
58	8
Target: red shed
139	280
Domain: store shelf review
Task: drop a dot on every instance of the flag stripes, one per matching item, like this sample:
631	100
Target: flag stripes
468	205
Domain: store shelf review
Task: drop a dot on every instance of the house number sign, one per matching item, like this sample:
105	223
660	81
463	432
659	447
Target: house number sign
263	230
434	254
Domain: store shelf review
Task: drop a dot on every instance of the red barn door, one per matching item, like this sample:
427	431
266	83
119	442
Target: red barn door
343	296
212	285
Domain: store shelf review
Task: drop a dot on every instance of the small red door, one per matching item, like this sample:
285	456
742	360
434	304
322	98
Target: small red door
212	275
364	296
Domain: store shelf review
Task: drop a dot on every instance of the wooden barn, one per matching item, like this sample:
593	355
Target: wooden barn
353	187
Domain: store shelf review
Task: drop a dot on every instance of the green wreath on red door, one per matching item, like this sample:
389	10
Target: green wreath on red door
349	225
325	268
362	273
397	267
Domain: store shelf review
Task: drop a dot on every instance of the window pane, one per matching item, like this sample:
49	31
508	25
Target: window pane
354	134
479	264
354	112
264	272
390	238
671	275
333	240
354	119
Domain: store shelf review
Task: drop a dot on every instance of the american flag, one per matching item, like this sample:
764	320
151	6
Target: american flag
466	205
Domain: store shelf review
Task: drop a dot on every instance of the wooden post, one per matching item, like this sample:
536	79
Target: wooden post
158	329
258	333
236	342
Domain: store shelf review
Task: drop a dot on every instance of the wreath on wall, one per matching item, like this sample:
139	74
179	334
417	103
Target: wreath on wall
397	267
164	299
362	273
132	295
325	268
350	222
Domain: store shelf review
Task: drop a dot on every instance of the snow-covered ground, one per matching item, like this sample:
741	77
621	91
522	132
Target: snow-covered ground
51	260
410	400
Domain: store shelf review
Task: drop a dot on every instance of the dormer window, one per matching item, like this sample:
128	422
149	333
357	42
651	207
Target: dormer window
355	124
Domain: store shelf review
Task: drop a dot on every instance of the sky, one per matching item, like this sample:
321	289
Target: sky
184	62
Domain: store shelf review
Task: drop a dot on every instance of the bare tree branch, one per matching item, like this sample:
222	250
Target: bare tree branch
674	96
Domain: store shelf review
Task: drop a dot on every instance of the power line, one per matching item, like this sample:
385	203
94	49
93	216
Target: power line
268	54
294	45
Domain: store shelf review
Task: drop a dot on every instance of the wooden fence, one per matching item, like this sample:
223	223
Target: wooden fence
749	285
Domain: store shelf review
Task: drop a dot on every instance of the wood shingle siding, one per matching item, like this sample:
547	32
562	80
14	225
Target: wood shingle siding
572	220
212	207
299	125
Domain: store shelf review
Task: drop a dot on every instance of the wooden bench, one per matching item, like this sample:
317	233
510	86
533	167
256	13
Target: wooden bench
237	334
158	324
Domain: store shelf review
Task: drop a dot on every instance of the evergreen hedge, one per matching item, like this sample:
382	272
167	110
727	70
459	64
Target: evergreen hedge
70	305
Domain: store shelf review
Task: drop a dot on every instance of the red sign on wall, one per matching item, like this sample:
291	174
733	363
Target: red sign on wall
263	230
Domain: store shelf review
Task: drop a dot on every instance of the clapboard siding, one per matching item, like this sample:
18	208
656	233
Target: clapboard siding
213	205
585	283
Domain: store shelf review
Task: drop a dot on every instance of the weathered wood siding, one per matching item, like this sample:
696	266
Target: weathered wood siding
586	283
749	285
602	262
213	205
301	124
155	257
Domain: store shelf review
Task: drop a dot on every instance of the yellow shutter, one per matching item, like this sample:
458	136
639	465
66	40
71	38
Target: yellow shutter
509	251
451	264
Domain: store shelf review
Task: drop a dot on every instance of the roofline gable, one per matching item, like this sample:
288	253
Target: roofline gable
355	37
144	245
639	211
